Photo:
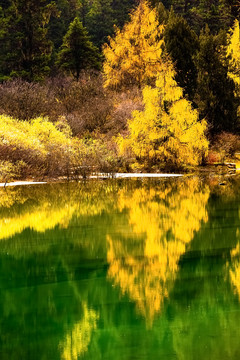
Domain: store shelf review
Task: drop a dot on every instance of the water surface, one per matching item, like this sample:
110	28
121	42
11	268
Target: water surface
121	269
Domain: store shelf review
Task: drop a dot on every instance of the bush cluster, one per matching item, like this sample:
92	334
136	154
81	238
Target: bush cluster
62	127
85	104
40	148
224	146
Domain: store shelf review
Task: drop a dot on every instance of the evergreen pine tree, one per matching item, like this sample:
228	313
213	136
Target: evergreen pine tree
58	26
217	14
182	44
3	42
83	10
121	10
27	48
162	13
215	90
77	51
100	21
226	17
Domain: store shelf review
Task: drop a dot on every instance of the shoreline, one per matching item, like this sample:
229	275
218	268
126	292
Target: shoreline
99	176
21	183
209	170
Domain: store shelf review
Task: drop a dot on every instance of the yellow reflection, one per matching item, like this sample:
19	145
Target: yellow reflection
234	271
77	340
163	220
44	208
40	220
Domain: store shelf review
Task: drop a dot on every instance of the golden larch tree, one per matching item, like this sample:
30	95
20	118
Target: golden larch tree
233	51
168	130
134	54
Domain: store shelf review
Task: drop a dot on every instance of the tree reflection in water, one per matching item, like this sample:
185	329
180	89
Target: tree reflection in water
163	221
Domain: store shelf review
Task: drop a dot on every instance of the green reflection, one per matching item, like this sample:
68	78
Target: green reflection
120	270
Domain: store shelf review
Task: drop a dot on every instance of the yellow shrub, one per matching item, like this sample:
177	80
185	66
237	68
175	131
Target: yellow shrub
38	143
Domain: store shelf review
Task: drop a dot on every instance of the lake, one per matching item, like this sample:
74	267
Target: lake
121	269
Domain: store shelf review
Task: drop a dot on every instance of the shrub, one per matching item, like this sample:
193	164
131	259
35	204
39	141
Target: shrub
226	144
85	104
8	171
23	100
40	148
39	144
213	157
124	105
95	156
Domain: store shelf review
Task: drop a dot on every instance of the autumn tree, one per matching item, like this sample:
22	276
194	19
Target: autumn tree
167	131
77	51
134	54
233	51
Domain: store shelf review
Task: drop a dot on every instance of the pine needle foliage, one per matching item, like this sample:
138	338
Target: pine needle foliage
77	51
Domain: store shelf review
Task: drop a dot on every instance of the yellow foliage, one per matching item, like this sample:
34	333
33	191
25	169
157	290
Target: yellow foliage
168	129
17	134
134	55
38	143
46	148
233	51
77	340
8	170
48	135
163	222
234	271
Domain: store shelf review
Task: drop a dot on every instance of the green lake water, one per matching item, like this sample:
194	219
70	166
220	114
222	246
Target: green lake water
121	270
